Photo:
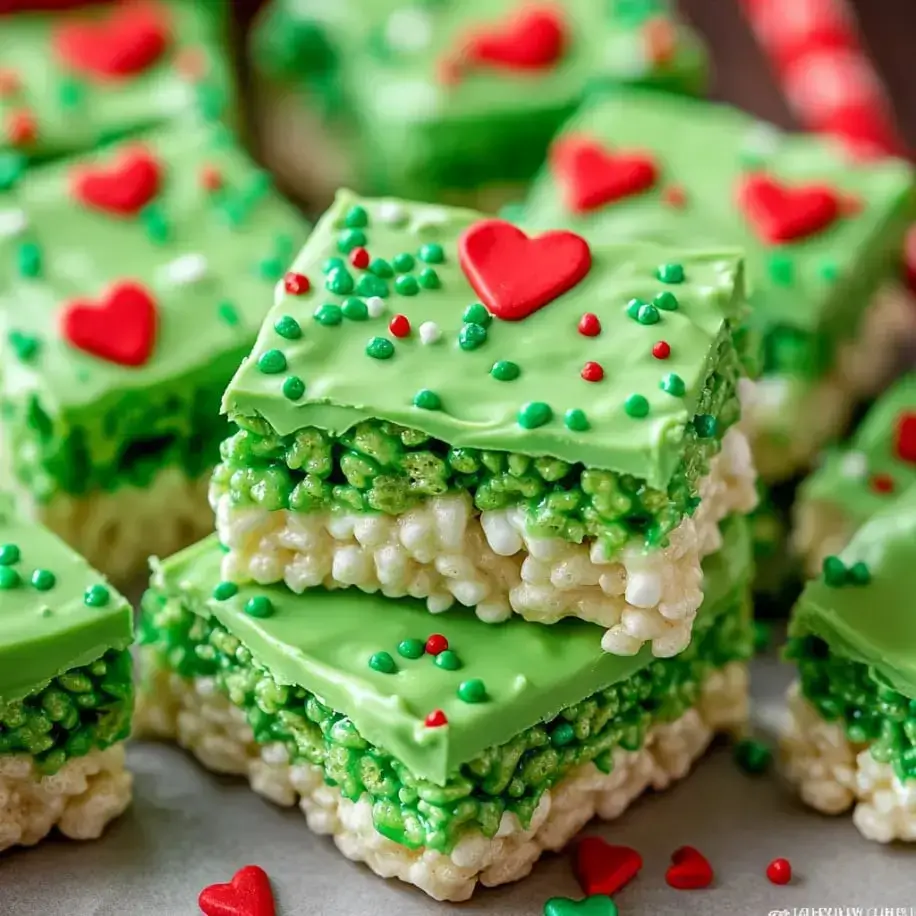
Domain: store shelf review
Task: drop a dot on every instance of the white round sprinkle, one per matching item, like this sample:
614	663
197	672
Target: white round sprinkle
854	464
429	332
392	213
12	222
763	139
375	305
409	30
189	268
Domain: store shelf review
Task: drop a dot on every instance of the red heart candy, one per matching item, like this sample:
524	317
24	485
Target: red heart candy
123	188
126	41
515	275
604	869
590	176
782	214
121	329
530	40
905	436
247	894
689	870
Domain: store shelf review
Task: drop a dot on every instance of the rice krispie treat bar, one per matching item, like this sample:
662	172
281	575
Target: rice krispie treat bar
859	479
820	233
132	283
463	414
441	99
66	691
71	79
409	739
853	637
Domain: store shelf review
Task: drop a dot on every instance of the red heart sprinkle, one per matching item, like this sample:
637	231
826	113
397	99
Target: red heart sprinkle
661	350
589	325
592	372
782	214
211	179
604	869
674	196
689	870
247	894
120	329
660	37
296	284
779	871
591	176
436	643
882	483
122	188
127	41
435	719
533	39
359	258
21	128
514	275
399	326
905	436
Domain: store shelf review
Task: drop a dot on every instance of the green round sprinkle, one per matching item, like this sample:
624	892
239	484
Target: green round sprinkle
12	165
355	309
563	735
431	253
534	413
356	218
259	606
407	285
648	314
223	591
381	268
671	273
328	314
156	226
477	314
834	571
9	554
429	279
350	239
411	648
781	270
504	370
270	362
29	256
403	262
666	301
227	313
637	406
333	264
287	326
633	307
9	578
673	384
427	399
382	662
705	425
370	285
753	757
25	346
472	336
293	387
448	660
339	281
472	691
380	348
576	420
271	268
859	574
44	580
96	596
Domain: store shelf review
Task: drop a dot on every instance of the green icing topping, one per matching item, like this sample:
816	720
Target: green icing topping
345	388
320	642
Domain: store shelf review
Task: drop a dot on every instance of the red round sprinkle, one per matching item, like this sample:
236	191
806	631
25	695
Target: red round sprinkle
882	483
592	372
21	128
399	326
662	350
435	719
211	178
675	196
448	72
9	82
589	325
779	871
191	63
436	643
297	284
905	436
359	257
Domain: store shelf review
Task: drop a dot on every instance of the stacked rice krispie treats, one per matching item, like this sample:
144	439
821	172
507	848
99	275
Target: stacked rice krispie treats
66	691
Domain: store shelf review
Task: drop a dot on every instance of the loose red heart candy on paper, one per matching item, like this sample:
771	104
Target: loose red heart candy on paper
530	40
590	176
247	894
779	871
604	869
120	329
689	870
122	43
905	436
779	213
124	187
515	275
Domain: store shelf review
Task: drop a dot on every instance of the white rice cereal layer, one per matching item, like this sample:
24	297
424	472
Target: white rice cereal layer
447	552
80	799
832	774
203	721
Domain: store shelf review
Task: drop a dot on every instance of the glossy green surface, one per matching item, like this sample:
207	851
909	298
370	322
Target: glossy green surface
344	384
323	641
